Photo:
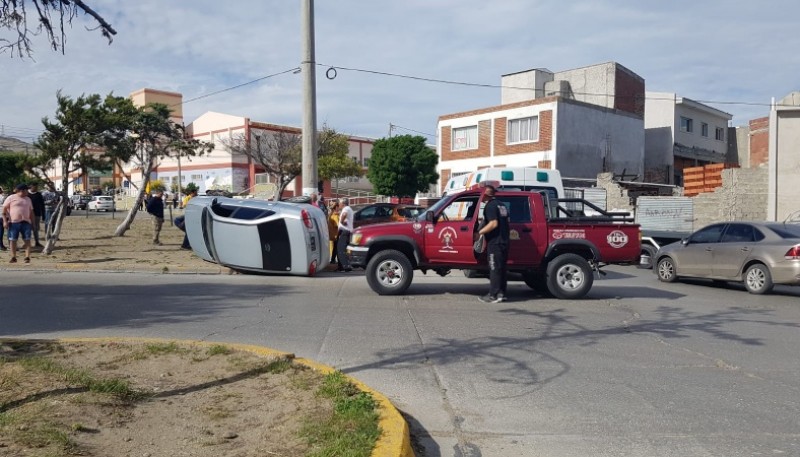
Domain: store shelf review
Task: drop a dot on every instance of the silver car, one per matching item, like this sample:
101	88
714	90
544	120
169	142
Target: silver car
759	254
258	235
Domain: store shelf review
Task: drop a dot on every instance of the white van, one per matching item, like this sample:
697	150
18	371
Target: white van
511	178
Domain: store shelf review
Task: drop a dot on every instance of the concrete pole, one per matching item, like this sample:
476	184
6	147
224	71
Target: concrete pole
307	67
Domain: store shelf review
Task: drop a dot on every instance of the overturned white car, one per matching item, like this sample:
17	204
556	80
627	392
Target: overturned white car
258	235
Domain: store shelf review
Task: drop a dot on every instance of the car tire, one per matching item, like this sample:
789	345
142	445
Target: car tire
389	272
569	276
666	270
758	279
650	252
471	274
537	280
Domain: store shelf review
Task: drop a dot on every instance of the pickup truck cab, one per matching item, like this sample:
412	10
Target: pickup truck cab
555	249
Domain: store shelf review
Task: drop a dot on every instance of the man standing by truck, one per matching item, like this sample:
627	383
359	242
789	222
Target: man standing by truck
496	231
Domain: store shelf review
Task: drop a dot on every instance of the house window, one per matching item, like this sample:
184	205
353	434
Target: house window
366	161
197	178
704	129
522	130
465	138
687	125
720	135
94	181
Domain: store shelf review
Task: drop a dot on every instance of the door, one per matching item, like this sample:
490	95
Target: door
696	257
450	237
734	249
521	250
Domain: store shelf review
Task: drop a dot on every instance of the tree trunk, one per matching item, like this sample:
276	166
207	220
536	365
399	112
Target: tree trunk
126	224
59	213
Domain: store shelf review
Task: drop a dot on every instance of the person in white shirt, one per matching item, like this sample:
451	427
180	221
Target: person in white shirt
345	230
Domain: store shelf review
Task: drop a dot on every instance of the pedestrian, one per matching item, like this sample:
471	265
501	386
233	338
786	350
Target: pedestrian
333	229
50	198
38	211
496	231
2	218
18	220
180	221
345	230
174	200
155	206
322	205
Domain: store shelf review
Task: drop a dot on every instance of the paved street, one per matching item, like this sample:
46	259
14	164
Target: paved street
639	368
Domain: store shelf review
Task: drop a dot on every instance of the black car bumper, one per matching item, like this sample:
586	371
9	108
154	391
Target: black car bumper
358	255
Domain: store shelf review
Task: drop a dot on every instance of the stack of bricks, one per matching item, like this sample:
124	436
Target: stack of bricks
707	178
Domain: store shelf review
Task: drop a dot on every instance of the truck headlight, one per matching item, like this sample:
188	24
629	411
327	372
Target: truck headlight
356	238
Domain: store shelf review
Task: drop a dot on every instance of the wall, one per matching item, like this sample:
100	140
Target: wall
532	79
587	135
739	146
659	137
784	153
758	141
593	84
617	198
742	197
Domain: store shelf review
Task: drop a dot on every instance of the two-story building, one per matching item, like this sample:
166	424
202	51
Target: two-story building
681	133
581	121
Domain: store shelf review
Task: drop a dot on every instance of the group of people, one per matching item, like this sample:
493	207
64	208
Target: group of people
22	215
340	227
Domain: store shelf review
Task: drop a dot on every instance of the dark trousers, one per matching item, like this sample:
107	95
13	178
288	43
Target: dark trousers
497	254
341	249
2	232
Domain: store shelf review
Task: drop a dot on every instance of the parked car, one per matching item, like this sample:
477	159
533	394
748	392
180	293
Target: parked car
758	254
377	213
258	235
101	203
80	201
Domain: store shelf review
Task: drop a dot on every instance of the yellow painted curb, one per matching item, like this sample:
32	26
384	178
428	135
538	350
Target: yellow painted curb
395	440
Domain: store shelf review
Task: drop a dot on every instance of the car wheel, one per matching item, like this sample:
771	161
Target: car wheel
666	270
389	272
647	256
470	273
569	276
537	280
758	280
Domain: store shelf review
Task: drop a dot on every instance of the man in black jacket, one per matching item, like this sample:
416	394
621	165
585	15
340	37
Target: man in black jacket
497	232
155	206
38	211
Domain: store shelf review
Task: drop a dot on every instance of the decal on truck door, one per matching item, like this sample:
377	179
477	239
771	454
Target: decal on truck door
447	236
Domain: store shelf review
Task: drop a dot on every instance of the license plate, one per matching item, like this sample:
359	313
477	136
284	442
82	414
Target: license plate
313	243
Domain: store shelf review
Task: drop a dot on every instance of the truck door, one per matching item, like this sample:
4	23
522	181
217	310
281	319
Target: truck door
521	237
449	238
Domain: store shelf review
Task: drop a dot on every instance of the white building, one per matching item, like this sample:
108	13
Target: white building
784	158
582	122
681	133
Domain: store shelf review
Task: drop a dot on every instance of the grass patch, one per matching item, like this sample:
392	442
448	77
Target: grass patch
45	436
218	349
113	386
352	429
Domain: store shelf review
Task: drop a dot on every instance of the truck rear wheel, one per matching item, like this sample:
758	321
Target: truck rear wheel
647	256
569	276
389	272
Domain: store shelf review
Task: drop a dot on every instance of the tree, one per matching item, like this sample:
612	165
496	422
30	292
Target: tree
402	166
70	143
279	153
190	188
334	161
50	17
150	136
12	171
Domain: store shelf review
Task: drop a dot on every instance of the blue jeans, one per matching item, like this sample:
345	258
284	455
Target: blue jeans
15	229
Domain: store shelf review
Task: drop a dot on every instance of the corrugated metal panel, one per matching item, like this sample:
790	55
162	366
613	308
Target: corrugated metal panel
596	195
674	214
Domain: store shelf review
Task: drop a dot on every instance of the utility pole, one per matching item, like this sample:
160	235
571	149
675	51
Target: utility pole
307	67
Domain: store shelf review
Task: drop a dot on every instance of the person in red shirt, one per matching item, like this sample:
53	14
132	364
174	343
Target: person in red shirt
18	220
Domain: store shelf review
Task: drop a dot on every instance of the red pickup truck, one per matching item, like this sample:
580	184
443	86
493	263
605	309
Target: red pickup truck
553	245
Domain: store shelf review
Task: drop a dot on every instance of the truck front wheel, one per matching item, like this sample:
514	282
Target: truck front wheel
389	272
569	276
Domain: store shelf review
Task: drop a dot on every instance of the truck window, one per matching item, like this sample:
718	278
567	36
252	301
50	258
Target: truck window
460	209
519	208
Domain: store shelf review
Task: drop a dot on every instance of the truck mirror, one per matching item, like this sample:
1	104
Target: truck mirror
429	216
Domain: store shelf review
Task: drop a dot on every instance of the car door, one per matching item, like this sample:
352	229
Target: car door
521	242
696	256
450	237
734	249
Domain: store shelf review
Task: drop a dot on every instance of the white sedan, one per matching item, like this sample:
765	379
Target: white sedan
101	203
258	235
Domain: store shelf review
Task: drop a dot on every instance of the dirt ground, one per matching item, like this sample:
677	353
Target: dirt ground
87	243
202	404
198	401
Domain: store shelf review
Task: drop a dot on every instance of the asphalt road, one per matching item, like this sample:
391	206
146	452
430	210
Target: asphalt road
639	368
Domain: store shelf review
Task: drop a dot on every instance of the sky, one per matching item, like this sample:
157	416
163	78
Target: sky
734	55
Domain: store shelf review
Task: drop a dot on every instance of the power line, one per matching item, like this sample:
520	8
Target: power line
412	130
239	85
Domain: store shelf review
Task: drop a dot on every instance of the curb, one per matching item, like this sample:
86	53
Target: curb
395	439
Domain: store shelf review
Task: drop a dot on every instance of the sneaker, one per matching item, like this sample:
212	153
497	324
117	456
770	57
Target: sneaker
157	243
27	260
39	245
490	299
13	260
502	297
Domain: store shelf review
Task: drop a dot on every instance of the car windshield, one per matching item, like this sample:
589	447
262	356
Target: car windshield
410	212
435	208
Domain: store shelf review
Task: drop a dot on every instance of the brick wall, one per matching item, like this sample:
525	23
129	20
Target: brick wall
742	197
545	142
444	174
484	143
629	93
759	141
